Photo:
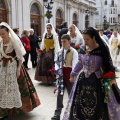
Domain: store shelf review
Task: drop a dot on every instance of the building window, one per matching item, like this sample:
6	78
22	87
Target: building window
1	4
3	13
35	19
59	14
86	21
34	9
112	3
111	20
114	20
114	11
111	10
105	2
75	19
58	18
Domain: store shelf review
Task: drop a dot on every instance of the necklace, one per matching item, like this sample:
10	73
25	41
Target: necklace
49	35
73	35
88	50
6	41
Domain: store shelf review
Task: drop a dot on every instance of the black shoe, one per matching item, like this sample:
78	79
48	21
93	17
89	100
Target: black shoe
4	118
55	117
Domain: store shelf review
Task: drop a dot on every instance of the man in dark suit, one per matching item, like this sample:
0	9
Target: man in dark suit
34	47
64	30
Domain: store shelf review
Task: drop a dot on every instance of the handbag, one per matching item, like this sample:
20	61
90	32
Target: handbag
116	92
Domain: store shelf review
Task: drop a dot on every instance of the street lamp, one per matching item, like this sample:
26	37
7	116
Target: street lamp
48	5
115	25
104	23
87	18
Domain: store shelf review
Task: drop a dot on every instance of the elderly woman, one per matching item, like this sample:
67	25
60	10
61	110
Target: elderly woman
76	36
50	46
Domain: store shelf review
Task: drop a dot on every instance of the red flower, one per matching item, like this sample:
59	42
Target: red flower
109	75
77	47
51	71
112	74
40	51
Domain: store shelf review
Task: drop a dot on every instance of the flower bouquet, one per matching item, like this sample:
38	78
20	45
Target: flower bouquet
53	72
39	53
59	80
77	47
109	82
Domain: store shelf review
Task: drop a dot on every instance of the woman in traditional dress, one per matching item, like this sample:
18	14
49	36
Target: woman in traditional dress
76	36
50	46
103	36
87	98
114	43
17	93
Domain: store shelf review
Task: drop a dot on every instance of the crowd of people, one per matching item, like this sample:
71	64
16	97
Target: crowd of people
74	60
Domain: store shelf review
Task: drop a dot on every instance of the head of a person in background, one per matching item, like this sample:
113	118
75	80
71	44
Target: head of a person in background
4	32
64	25
101	32
31	31
109	36
115	33
72	29
16	30
25	33
49	28
65	40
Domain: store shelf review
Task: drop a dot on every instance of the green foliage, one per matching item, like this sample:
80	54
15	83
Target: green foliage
48	15
105	25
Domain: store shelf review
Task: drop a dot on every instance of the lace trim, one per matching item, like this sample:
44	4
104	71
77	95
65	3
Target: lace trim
9	91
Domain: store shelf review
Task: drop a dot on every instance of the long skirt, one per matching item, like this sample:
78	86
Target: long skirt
29	96
45	63
86	101
114	56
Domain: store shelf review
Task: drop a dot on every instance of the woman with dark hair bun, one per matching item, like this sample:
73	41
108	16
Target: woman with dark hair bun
87	100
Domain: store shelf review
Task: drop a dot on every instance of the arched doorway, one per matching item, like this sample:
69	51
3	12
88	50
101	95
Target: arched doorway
3	13
58	18
35	19
86	21
75	19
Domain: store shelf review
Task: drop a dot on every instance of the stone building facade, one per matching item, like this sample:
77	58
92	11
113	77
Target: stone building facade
108	10
26	14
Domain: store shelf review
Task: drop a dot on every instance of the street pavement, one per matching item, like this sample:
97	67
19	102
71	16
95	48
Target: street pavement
48	100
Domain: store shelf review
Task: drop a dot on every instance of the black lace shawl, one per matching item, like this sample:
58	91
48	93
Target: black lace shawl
107	61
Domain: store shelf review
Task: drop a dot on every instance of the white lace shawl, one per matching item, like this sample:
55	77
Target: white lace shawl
10	48
78	40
